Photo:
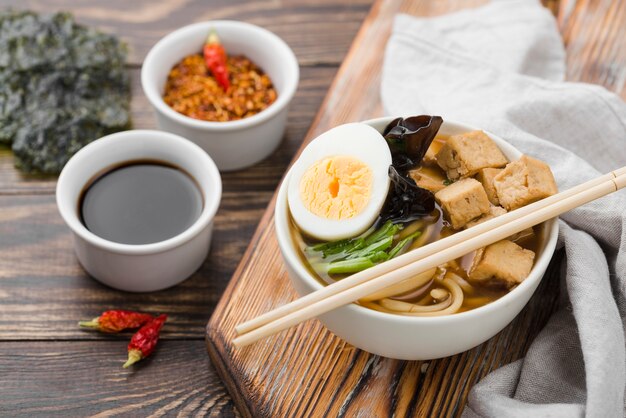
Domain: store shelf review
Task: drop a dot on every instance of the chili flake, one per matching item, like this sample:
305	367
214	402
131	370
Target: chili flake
192	90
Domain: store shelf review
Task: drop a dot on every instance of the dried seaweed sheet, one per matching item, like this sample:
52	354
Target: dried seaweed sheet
62	85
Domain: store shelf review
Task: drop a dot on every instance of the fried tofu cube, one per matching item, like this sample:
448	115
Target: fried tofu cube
491	213
501	263
463	201
485	177
497	211
430	157
463	155
524	181
428	178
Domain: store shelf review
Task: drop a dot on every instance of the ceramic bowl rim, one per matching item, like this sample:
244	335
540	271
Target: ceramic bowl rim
212	197
291	257
283	99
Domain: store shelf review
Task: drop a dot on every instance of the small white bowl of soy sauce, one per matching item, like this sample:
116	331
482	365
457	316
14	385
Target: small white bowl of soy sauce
140	205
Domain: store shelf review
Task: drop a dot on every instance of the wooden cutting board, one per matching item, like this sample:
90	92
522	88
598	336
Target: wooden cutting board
307	371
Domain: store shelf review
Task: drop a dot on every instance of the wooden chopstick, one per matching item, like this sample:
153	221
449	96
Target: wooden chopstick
414	262
422	252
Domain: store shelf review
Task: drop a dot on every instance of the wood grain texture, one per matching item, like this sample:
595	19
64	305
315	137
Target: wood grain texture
594	32
306	371
319	32
44	291
87	379
45	368
44	371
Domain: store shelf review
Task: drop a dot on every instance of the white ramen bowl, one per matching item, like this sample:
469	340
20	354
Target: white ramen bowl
415	338
234	144
146	267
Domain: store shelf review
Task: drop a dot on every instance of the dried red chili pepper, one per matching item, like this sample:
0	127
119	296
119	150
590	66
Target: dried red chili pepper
117	320
144	341
215	60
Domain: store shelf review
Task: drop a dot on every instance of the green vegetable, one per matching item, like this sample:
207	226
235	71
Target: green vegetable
379	256
350	266
356	254
336	247
388	229
62	85
381	245
401	246
345	246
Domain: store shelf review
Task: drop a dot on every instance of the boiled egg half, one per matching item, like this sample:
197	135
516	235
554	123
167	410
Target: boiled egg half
339	183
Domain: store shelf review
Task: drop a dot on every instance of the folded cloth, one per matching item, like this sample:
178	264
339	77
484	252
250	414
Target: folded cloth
499	67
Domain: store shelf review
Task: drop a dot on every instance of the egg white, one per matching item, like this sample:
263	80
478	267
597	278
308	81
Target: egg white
355	140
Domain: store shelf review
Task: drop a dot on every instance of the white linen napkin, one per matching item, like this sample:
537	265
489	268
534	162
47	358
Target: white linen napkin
500	67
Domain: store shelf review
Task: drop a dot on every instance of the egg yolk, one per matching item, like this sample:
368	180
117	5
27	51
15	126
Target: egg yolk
336	187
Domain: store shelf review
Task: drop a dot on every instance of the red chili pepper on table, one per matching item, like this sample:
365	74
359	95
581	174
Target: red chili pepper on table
215	60
117	320
144	341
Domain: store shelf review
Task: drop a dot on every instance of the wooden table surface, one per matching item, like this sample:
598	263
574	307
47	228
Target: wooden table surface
48	367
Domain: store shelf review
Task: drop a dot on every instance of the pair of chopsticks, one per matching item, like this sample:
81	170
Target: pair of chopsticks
414	262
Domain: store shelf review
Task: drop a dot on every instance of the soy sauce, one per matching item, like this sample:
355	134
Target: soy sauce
140	202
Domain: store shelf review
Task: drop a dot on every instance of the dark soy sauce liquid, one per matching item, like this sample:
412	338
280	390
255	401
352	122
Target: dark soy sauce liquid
141	203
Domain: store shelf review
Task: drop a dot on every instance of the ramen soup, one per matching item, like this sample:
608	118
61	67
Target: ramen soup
437	185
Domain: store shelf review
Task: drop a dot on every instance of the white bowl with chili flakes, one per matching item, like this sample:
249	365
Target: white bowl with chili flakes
257	130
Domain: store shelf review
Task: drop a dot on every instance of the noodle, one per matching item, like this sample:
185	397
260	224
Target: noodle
402	287
376	307
449	306
467	288
407	308
457	296
413	294
439	294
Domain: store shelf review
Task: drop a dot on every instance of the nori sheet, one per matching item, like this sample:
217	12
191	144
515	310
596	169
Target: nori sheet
62	85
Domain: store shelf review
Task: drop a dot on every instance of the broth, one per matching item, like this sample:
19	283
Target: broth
433	228
140	202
